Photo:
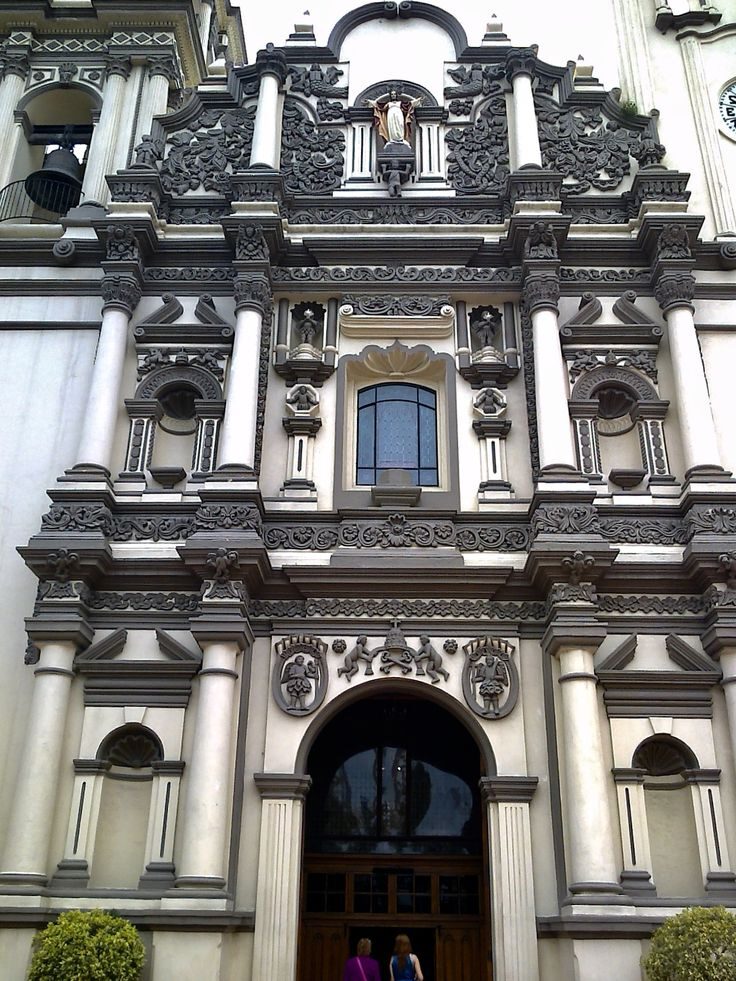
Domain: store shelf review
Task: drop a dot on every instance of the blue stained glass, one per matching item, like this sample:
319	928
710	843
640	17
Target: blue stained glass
396	435
427	398
427	437
427	478
366	436
404	393
367	476
366	397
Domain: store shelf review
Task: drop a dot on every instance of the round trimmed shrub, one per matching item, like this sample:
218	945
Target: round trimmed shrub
87	945
698	944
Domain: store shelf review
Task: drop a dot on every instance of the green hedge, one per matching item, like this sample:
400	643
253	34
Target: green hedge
87	945
698	944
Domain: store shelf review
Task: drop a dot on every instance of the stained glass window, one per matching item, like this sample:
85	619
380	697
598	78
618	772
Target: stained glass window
397	429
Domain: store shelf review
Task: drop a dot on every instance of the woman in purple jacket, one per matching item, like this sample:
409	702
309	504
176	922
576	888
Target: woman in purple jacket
362	967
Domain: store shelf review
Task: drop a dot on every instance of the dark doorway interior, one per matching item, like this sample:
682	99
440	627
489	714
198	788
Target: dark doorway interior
382	939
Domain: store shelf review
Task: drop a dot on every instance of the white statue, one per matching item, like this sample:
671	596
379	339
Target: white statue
393	114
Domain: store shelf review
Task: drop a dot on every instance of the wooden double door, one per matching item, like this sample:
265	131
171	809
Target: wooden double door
440	903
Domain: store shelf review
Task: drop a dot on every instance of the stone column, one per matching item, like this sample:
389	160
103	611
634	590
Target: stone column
33	806
573	636
266	145
636	876
674	292
709	139
14	70
514	920
120	294
144	416
238	433
162	73
209	771
556	446
520	65
714	861
279	867
82	830
159	871
634	59
105	136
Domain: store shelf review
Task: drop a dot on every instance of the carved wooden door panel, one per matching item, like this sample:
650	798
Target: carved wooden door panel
322	952
461	954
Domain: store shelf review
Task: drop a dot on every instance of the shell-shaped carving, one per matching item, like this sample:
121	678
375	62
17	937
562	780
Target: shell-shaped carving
664	757
132	746
397	360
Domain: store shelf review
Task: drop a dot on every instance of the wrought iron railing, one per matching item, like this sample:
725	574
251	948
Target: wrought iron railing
17	205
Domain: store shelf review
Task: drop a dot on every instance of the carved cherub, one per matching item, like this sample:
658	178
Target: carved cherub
148	152
490	402
485	325
433	659
359	653
302	398
297	676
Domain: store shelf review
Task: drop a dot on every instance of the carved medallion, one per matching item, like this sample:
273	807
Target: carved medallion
490	678
299	680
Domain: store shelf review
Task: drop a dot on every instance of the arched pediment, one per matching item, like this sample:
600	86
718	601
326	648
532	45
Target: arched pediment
404	10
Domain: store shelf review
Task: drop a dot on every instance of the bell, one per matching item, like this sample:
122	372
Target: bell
57	186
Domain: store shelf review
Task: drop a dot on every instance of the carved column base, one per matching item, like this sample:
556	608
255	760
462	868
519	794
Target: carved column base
70	871
158	876
634	882
721	884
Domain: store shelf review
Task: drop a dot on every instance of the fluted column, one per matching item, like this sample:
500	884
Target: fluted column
33	806
279	867
162	72
573	635
520	65
238	433
265	148
674	292
120	294
105	136
507	801
14	70
554	430
208	783
634	58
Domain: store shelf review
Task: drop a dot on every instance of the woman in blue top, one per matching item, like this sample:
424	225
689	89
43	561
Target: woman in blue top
404	966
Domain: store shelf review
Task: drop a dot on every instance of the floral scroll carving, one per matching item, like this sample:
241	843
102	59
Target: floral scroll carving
312	159
205	154
478	157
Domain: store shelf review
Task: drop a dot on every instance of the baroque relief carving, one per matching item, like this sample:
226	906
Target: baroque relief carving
490	677
478	157
312	159
204	155
394	653
299	678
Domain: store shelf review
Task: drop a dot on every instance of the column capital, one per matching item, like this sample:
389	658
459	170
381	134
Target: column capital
521	61
282	786
542	291
675	289
504	788
117	64
573	628
253	292
271	61
164	65
720	622
14	64
120	293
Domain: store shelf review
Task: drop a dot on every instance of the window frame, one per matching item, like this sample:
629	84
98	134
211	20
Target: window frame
377	426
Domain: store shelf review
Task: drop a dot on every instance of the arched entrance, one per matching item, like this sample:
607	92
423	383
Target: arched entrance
393	842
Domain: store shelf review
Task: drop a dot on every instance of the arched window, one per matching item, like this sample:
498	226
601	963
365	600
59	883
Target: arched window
397	430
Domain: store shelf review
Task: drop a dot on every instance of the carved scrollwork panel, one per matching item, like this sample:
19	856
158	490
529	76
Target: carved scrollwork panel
478	157
312	159
204	155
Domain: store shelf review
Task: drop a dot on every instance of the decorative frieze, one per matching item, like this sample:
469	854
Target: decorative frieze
394	653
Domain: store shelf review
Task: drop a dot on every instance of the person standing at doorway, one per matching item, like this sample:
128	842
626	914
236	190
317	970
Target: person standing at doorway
404	965
362	967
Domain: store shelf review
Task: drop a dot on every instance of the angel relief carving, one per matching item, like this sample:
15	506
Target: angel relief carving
299	680
490	677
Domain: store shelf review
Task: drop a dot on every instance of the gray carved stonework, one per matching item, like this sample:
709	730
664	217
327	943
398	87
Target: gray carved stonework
312	159
424	661
316	80
490	677
299	679
478	155
204	154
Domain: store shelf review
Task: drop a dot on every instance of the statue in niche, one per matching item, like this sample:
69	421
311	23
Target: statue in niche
307	328
433	659
485	325
393	114
297	676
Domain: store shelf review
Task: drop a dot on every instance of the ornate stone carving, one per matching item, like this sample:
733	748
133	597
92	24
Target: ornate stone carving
728	564
14	64
32	654
312	159
384	305
565	519
67	71
382	213
216	517
160	602
490	677
394	274
225	566
578	143
478	157
485	325
250	244
540	243
117	64
648	152
589	360
490	403
563	592
121	244
121	293
61	564
718	520
299	679
586	386
521	61
394	653
329	112
204	155
253	292
542	292
472	80
197	357
641	276
64	251
165	66
675	289
673	242
270	60
577	565
316	80
147	154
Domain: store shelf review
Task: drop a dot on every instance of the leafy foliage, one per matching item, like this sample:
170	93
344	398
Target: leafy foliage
698	944
87	945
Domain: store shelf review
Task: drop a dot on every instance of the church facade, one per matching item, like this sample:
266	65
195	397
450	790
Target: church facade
368	497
